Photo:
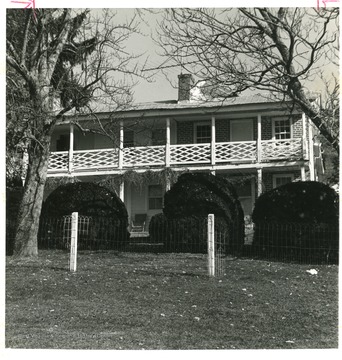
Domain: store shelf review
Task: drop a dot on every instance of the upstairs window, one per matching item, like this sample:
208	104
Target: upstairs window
202	133
155	197
281	129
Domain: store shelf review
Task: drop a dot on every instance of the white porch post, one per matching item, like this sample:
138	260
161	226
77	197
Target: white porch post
302	172
71	148
259	182
213	141
122	191
259	139
304	142
121	144
311	155
167	144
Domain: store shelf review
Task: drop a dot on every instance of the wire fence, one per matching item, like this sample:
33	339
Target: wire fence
303	243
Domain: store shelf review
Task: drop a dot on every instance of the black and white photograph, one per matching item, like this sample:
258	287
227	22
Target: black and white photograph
172	177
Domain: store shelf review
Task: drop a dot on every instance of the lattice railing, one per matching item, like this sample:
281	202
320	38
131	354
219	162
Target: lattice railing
281	149
235	151
144	156
59	161
190	154
95	159
179	155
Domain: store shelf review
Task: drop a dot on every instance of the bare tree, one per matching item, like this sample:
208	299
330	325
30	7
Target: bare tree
276	50
59	60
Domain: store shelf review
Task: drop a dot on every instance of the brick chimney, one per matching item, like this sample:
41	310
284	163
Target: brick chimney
185	83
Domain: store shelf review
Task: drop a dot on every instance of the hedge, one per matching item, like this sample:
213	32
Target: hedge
186	207
93	201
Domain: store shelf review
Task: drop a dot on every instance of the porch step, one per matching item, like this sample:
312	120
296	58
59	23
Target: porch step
142	234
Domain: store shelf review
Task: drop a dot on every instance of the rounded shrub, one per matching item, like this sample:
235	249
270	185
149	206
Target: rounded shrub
298	218
104	215
186	207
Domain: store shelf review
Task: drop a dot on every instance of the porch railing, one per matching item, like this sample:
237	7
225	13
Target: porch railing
184	154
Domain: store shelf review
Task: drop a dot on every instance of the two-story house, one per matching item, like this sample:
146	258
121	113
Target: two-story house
263	141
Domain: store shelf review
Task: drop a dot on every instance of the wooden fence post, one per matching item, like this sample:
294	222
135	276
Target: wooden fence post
211	244
73	245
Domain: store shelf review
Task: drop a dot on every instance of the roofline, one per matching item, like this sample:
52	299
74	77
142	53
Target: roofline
183	111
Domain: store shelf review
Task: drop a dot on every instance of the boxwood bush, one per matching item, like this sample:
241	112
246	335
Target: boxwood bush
299	219
186	207
106	215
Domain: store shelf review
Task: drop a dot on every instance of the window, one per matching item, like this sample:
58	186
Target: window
281	129
159	137
281	179
128	138
202	133
155	197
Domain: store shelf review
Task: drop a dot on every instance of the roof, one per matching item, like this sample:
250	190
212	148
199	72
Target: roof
174	104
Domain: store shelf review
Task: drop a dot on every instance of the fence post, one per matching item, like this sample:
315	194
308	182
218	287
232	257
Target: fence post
211	245
73	246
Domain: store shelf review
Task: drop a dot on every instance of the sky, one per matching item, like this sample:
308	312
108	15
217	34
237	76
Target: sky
161	87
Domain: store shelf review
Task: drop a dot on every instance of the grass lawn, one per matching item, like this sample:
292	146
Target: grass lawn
166	301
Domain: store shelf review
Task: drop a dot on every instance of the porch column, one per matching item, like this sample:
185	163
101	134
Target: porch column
121	142
304	142
311	155
213	141
122	191
167	144
259	182
259	139
302	172
71	148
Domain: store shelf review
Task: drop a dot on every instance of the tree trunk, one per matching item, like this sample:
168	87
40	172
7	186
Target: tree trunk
26	239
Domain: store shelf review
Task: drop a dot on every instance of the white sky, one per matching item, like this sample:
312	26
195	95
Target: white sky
160	88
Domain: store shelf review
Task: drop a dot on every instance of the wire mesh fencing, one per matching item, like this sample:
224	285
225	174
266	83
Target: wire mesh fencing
299	242
94	233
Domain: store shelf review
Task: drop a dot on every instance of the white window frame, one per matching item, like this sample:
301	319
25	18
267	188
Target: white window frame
207	123
249	121
278	176
273	126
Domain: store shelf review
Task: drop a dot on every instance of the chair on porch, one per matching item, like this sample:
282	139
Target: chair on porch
139	222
